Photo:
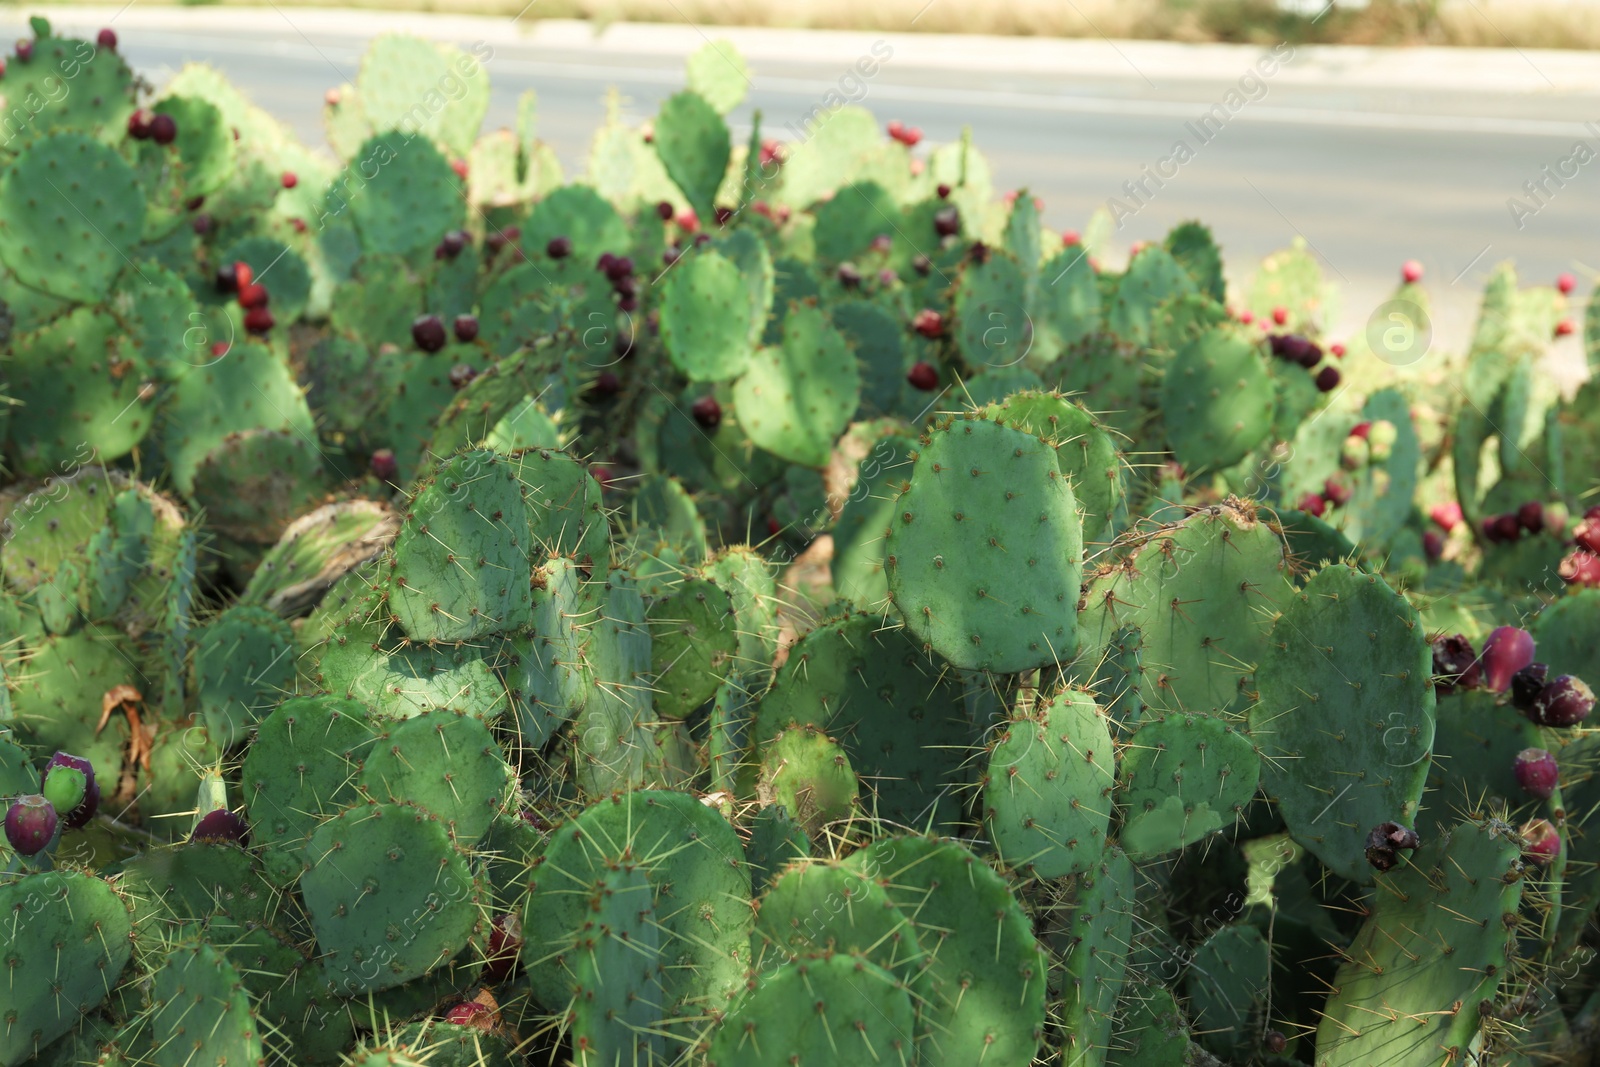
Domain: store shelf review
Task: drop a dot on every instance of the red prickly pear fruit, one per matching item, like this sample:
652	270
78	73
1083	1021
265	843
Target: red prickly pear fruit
943	190
1446	516
947	222
882	243
1566	328
923	376
331	97
1361	430
1337	350
559	248
219	826
107	39
258	321
606	384
253	295
471	1013
1526	684
1071	237
1565	283
707	412
1280	315
139	125
1506	528
163	129
460	167
1581	568
1530	517
1432	545
1327	379
30	824
1336	492
289	179
723	215
220	348
929	323
80	815
383	465
774	527
1505	652
602	475
24	50
1313	504
771	152
428	332
1586	535
1247	317
1542	843
1564	701
243	273
298	224
465	328
1455	664
2	68
1536	772
688	221
665	211
505	942
461	376
1411	271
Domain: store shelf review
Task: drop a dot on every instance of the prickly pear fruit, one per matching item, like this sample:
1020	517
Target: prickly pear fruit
65	788
1525	686
1385	841
1536	772
30	824
85	809
1542	843
1506	651
1455	664
1564	701
220	825
923	376
428	333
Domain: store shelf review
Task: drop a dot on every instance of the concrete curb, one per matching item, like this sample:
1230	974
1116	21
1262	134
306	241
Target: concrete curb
1475	70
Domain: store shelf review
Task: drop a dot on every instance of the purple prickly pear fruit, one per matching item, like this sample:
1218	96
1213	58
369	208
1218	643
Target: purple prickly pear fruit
220	825
85	809
848	276
383	465
1506	651
606	383
1525	686
707	412
1336	492
670	256
621	267
107	39
505	942
1580	567
24	50
922	265
1536	772
466	328
1313	504
461	375
471	1013
1564	701
163	129
139	125
665	211
1327	379
1530	516
30	824
1385	841
1542	843
1432	545
559	248
1455	664
428	332
629	304
947	222
1274	1042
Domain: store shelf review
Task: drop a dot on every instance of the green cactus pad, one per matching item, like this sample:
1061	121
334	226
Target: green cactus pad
1217	399
418	87
796	398
608	752
1290	278
1184	777
749	253
1152	278
565	517
401	678
692	141
1440	931
718	73
1229	981
993	328
809	774
1195	250
692	644
1086	452
409	197
243	664
79	380
302	768
202	1010
58	700
880	350
1096	959
582	216
446	763
460	568
389	896
315	551
776	840
707	318
854	1012
616	973
1066	304
70	212
1047	787
1150	1032
985	551
67	941
823	908
545	669
1345	748
987	972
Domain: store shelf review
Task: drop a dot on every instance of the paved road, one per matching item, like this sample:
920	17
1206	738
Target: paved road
1373	161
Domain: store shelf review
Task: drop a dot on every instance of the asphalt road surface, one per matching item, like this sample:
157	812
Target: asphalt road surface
1370	174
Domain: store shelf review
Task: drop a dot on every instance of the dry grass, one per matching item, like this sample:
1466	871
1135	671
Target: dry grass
1570	24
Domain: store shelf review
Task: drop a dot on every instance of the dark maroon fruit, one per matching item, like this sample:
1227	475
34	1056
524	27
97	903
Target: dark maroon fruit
664	211
451	244
201	224
979	252
30	824
1385	841
220	826
670	256
1455	664
1506	528
922	264
258	321
505	943
848	276
465	327
163	129
701	238
629	304
1336	492
24	50
559	248
924	376
1536	772
1274	1042
1505	652
253	295
947	222
606	261
107	39
619	268
723	214
461	375
139	125
1525	685
1564	701
1432	544
1327	379
943	190
80	815
626	285
428	332
607	384
1530	516
707	412
383	465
